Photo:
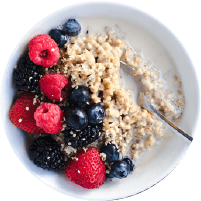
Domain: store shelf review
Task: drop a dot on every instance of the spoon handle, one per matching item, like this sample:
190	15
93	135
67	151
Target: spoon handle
143	102
148	104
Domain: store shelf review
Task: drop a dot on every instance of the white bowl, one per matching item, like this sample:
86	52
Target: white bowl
161	159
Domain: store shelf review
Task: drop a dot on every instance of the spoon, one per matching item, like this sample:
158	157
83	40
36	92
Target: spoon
144	103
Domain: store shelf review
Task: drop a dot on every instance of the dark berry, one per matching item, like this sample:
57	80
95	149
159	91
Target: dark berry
79	139
27	75
130	164
110	175
120	169
30	72
72	27
35	74
45	153
76	118
111	152
79	95
58	36
95	112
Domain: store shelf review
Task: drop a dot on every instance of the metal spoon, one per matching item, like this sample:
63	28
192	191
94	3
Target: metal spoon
144	103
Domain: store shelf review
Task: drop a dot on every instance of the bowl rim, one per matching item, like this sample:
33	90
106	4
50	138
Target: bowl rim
125	6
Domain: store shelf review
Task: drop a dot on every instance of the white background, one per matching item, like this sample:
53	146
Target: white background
181	16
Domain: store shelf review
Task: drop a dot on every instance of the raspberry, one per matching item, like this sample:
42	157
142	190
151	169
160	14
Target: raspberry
86	169
49	116
52	84
43	50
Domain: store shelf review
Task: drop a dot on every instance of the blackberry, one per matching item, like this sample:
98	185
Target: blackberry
45	153
27	75
81	138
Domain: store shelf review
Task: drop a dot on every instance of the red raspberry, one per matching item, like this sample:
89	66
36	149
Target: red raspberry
49	116
52	84
43	50
86	169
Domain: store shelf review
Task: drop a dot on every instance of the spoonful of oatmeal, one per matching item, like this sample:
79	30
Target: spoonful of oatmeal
144	103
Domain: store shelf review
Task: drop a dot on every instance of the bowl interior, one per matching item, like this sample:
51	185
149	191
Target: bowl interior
153	165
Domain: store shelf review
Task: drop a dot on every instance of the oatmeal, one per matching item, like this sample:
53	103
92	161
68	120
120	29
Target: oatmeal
94	61
79	109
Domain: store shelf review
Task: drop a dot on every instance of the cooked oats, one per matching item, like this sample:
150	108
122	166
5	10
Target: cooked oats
94	61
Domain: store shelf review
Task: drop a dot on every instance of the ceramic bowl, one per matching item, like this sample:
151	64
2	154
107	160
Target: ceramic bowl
153	165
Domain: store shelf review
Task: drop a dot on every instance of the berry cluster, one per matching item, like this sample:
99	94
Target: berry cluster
119	168
36	113
84	119
43	52
60	36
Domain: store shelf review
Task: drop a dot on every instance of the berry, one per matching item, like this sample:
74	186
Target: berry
54	86
27	75
110	175
95	113
43	50
22	113
72	27
58	36
83	137
111	152
130	164
45	153
49	116
86	169
76	118
120	169
79	95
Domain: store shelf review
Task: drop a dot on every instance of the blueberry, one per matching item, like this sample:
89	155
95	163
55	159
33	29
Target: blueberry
72	27
95	113
120	169
110	175
111	152
130	164
58	36
79	95
76	118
